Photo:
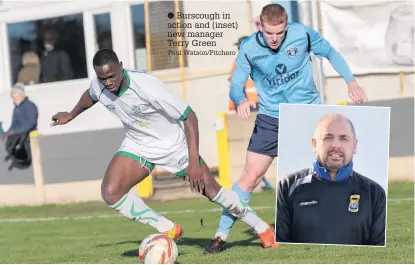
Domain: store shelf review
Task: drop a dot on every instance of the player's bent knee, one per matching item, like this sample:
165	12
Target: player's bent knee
212	187
250	177
210	191
248	184
252	172
111	193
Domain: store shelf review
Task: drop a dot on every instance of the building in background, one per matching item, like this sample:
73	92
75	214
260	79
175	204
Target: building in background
142	34
139	33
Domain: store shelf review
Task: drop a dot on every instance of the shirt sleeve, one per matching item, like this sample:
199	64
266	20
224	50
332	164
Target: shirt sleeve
162	98
240	76
92	92
322	48
283	213
377	233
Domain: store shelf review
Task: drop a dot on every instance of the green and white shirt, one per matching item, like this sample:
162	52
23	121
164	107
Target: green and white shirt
151	113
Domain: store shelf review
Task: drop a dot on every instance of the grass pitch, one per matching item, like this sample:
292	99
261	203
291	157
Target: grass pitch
93	233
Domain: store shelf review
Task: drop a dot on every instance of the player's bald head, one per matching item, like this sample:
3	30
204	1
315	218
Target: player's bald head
334	142
332	118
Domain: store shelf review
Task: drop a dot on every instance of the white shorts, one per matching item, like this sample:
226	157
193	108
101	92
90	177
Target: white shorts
175	162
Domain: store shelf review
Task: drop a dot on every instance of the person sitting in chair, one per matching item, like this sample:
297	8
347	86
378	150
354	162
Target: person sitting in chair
24	120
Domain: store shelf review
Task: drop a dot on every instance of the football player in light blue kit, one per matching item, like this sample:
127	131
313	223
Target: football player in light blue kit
278	60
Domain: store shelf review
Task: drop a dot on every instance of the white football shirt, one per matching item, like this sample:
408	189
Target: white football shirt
150	112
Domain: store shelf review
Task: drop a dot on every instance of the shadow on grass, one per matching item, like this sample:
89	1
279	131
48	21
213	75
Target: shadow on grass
202	243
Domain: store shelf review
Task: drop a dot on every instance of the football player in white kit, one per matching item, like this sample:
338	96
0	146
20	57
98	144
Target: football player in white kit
160	130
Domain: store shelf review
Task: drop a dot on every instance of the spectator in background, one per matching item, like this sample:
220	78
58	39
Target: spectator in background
55	63
24	120
25	113
30	72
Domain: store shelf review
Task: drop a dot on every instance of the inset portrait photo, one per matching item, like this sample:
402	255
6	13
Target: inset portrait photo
332	175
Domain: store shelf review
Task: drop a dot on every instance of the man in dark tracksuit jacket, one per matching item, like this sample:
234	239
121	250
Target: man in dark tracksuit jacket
330	203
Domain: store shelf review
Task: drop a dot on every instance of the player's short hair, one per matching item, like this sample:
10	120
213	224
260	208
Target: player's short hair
273	14
105	56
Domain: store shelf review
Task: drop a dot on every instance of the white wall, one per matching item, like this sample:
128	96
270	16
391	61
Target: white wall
65	94
207	95
377	87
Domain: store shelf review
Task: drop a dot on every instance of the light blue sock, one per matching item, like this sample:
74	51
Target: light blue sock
227	220
267	184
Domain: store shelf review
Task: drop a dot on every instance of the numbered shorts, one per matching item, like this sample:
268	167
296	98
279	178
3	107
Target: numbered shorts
264	139
176	162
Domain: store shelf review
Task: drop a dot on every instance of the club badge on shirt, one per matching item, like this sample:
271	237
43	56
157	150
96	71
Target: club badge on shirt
354	203
292	52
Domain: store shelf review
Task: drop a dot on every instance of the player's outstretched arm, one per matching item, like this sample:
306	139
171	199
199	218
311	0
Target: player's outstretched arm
321	47
84	103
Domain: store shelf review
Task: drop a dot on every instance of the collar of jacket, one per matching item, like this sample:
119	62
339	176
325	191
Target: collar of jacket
343	173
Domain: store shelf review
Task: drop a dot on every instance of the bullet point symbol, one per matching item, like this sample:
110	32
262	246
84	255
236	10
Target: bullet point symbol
170	15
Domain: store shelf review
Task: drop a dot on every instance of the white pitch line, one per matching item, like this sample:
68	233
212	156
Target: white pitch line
112	216
109	216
